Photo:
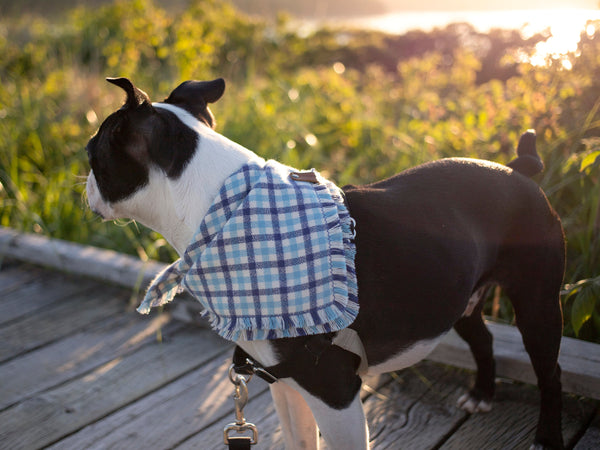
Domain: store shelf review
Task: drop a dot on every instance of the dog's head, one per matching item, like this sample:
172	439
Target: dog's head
142	142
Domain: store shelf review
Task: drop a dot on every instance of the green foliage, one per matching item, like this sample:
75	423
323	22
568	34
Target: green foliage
357	105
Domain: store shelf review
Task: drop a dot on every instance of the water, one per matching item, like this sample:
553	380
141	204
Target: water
565	25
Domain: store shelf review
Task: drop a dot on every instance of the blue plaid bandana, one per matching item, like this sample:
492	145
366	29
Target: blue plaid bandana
272	258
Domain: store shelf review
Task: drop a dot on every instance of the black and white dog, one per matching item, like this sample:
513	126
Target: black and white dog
429	242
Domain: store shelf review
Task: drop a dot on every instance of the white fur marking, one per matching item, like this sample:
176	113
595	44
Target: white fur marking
215	159
474	301
94	198
342	429
472	405
297	421
406	358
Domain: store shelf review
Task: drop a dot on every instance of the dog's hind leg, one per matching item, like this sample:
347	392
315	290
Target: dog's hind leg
540	323
533	285
297	421
473	330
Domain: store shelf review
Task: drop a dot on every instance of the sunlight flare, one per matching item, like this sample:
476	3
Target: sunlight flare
564	25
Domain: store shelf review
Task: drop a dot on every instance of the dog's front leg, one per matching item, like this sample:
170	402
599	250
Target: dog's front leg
297	421
342	429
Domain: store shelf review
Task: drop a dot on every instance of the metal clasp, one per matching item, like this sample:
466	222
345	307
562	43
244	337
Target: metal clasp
259	371
240	399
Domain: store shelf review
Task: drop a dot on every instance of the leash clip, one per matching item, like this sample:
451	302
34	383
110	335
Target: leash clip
260	371
240	399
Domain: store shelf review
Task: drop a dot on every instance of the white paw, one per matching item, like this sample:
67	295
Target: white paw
538	446
472	405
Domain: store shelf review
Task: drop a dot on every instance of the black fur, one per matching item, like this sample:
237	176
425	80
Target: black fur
133	139
194	96
117	155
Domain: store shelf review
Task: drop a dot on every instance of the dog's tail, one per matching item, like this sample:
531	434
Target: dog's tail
528	161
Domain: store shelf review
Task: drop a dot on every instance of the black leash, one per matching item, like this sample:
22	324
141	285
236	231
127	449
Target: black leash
239	443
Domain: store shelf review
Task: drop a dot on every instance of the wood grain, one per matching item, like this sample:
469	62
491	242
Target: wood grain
77	354
49	416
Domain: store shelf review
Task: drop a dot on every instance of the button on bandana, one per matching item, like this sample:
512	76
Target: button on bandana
273	258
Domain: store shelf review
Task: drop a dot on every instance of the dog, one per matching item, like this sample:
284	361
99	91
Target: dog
429	243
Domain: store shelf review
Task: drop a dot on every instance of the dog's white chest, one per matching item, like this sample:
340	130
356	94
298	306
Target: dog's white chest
406	358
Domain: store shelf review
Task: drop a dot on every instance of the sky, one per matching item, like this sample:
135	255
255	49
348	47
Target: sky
474	5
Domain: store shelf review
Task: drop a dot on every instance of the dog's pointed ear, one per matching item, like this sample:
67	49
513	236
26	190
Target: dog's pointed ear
135	96
194	97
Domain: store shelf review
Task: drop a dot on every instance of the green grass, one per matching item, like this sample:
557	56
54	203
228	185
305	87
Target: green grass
359	106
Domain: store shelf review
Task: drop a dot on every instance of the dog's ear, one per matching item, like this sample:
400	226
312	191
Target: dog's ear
194	97
135	97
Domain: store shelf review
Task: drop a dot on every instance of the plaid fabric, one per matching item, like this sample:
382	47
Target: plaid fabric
272	258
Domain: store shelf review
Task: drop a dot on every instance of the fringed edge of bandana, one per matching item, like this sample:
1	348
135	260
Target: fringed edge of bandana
167	285
334	317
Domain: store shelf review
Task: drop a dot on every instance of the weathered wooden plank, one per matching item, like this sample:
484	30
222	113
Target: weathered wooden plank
105	265
46	288
7	263
580	361
175	412
591	438
76	354
15	274
58	320
513	420
418	409
56	413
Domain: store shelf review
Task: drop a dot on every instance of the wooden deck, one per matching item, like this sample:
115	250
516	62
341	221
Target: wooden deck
79	368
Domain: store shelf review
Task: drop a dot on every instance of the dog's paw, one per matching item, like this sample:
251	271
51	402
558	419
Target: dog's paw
539	446
472	404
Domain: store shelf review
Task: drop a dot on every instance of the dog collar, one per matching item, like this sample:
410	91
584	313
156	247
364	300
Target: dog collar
273	257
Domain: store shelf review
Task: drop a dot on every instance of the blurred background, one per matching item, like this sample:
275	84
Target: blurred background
359	90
